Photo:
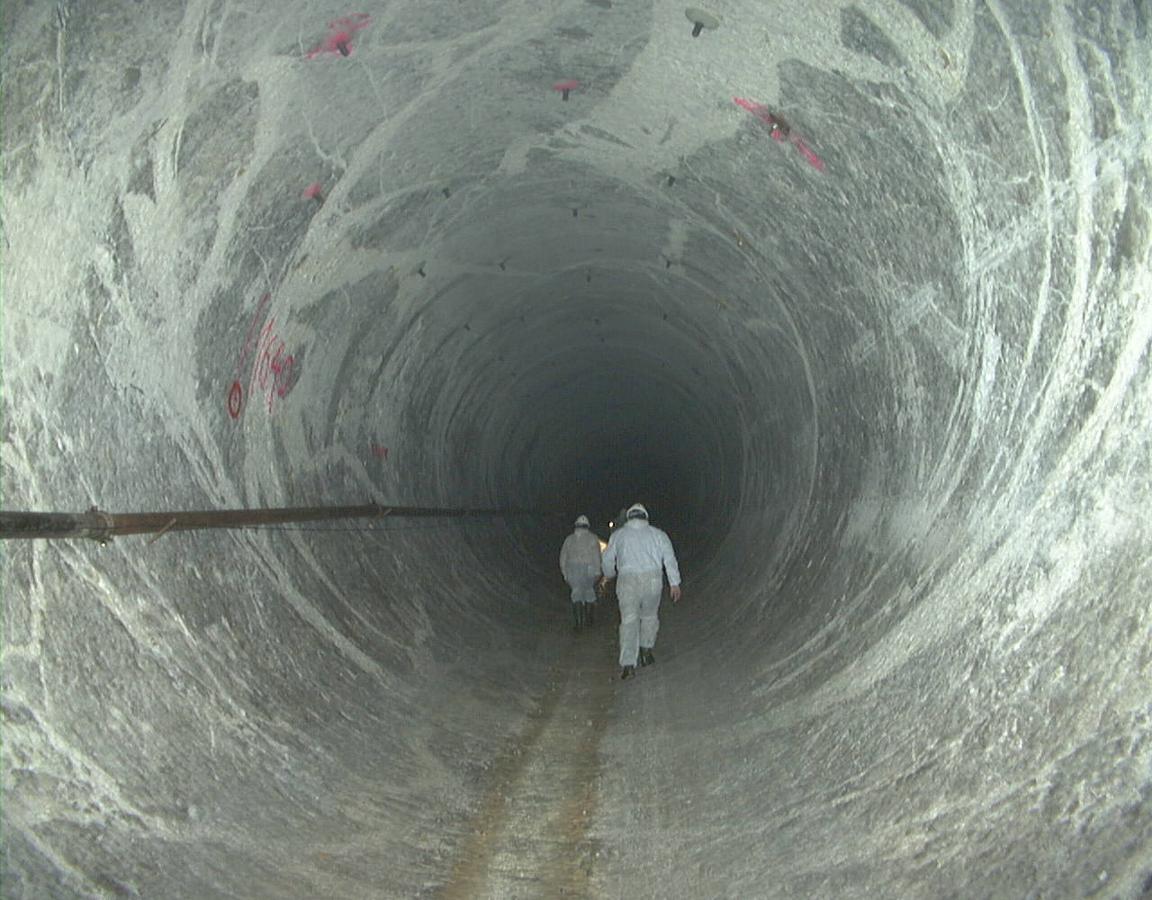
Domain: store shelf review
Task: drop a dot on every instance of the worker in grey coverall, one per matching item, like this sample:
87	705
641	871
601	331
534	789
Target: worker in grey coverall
641	554
580	563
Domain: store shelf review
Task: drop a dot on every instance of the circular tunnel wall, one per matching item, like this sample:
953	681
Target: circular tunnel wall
854	297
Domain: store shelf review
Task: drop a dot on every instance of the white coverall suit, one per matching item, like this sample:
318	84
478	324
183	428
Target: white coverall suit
639	552
580	563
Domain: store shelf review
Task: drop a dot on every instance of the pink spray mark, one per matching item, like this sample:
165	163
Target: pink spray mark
781	131
314	191
379	451
809	154
564	88
339	37
759	110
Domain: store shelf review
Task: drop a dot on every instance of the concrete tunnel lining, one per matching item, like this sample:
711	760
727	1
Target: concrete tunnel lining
893	409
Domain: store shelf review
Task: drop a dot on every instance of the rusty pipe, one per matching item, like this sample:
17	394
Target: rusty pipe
102	526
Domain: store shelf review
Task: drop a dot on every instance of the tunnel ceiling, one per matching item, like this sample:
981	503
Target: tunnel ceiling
854	296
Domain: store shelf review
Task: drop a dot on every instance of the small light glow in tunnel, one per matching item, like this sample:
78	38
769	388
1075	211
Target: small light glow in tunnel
854	297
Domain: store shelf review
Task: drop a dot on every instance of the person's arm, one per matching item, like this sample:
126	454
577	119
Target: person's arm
668	557
564	557
608	560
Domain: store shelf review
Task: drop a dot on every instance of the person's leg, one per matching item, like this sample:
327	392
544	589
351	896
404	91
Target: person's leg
574	586
629	600
649	609
587	597
583	591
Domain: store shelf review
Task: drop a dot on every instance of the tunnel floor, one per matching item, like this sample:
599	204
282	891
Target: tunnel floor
530	837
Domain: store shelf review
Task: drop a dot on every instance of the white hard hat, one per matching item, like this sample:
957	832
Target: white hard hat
637	511
582	521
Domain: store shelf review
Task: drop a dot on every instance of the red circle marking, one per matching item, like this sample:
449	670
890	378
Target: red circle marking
235	399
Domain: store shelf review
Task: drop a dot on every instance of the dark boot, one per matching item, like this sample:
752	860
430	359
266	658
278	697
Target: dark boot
590	613
576	617
628	672
646	656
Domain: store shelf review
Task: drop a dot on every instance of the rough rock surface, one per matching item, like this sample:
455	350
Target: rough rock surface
872	345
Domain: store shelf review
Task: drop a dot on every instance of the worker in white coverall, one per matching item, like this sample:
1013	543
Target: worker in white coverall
580	563
640	553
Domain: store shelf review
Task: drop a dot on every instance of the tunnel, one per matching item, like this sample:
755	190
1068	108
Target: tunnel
855	297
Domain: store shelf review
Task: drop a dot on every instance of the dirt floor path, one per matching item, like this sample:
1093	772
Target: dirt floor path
529	838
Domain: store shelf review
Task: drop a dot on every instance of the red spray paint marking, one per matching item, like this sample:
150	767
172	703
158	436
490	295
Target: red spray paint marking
380	452
314	191
781	131
272	370
339	37
236	391
253	325
235	399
